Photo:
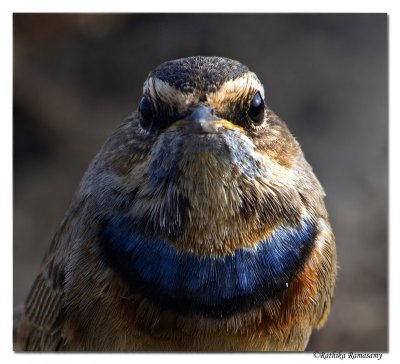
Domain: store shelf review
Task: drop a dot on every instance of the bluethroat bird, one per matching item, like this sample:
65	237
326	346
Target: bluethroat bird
199	226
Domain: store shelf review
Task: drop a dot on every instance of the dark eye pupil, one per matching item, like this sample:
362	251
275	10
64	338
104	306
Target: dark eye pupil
146	111
256	109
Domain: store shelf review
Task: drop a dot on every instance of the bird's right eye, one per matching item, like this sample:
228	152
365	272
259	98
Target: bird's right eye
146	110
256	109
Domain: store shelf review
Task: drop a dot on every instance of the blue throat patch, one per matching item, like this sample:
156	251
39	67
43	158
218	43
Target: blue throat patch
216	286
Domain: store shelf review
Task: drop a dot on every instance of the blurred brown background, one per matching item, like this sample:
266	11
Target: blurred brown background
76	76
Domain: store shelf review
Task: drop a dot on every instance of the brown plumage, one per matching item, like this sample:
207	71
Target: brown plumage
199	226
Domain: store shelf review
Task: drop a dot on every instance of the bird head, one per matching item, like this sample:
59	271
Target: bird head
203	112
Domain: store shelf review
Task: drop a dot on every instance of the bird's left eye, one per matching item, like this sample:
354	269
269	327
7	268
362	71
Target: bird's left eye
256	109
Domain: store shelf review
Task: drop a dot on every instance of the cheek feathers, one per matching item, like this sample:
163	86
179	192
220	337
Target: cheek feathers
276	141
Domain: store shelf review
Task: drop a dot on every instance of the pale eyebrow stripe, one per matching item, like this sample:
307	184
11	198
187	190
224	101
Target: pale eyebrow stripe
241	85
158	89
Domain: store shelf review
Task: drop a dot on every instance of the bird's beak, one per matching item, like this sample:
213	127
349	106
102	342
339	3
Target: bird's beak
202	120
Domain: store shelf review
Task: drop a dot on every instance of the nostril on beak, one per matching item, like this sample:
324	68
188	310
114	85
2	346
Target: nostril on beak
201	118
201	112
